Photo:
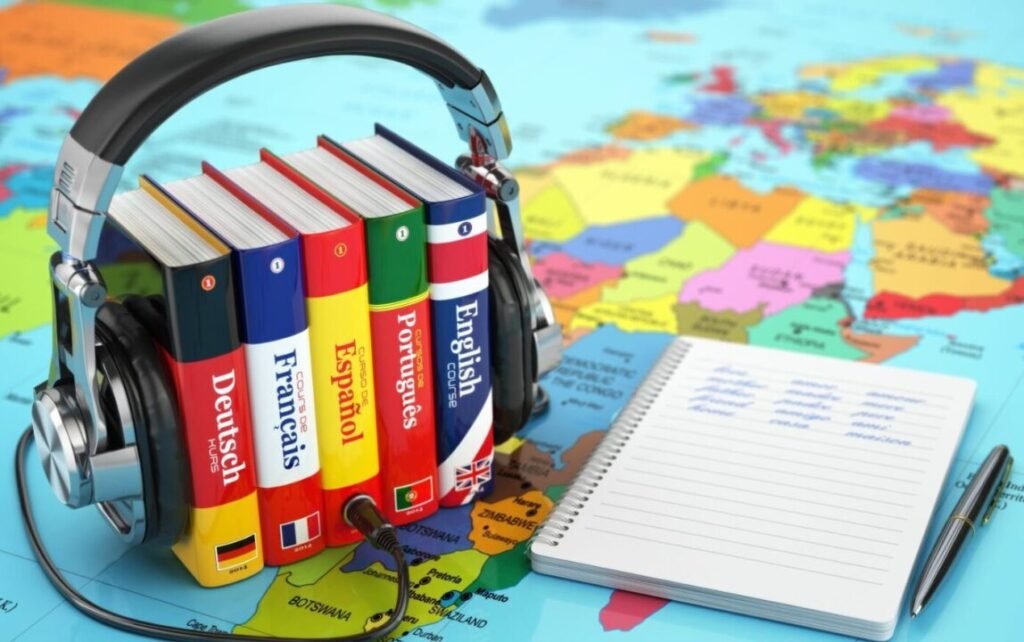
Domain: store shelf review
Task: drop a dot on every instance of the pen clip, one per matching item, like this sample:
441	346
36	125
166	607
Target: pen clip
998	492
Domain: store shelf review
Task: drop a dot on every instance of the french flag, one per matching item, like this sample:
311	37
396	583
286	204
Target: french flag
300	531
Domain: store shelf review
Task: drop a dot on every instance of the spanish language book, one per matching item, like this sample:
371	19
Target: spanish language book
455	209
180	278
400	322
272	317
338	307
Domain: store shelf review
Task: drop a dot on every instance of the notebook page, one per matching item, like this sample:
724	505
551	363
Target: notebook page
777	476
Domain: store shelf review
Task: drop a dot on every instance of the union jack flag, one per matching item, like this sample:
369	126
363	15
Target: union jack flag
472	477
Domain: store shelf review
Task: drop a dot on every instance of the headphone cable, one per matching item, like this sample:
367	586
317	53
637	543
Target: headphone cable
359	511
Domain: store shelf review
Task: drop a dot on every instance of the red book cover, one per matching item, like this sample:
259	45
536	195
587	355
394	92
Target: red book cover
400	320
190	310
273	327
337	305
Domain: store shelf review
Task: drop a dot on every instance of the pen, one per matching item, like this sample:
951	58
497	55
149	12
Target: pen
983	491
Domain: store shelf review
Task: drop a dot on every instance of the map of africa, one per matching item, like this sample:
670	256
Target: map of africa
832	178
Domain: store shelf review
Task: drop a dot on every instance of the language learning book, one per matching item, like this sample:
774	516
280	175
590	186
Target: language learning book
400	323
456	217
272	318
176	279
338	307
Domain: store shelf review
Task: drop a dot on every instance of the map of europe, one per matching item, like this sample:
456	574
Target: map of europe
840	181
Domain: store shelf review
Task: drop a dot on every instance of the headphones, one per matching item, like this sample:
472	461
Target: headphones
106	421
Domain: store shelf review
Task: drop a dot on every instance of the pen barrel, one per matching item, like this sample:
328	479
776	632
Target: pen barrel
983	487
954	535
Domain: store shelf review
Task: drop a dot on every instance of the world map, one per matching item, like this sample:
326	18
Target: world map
837	180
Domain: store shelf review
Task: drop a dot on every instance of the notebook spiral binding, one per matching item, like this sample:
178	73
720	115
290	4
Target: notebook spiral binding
554	528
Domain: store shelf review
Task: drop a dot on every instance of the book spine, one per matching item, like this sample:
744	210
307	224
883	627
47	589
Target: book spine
457	267
400	322
457	260
222	543
279	367
338	308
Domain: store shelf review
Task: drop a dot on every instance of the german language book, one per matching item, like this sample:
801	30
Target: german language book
456	217
400	322
272	314
176	279
338	308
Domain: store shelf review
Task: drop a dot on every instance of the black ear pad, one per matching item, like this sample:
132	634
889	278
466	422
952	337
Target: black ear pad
512	359
130	352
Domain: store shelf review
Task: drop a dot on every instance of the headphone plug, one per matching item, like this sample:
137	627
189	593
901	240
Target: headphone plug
362	514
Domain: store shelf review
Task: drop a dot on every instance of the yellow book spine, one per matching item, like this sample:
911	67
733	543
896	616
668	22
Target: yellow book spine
346	415
222	544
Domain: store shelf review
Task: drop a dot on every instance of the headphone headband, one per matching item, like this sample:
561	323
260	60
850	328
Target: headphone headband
69	416
159	82
132	104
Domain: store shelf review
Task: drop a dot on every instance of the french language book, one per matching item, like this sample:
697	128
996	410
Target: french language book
181	288
400	324
272	314
456	218
786	486
338	307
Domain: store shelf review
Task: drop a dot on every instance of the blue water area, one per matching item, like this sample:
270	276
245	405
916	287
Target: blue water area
598	374
30	188
616	244
722	110
897	174
950	75
521	12
444	532
984	347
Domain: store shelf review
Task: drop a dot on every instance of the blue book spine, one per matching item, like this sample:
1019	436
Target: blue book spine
271	304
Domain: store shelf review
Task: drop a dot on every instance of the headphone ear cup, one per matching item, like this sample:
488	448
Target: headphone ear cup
512	363
132	351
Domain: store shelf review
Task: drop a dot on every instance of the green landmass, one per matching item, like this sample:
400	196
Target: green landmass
709	166
812	327
1007	217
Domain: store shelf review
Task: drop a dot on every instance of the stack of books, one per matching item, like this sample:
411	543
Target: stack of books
323	315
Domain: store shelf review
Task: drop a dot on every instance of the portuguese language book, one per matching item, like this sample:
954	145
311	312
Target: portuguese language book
182	289
456	217
338	308
272	317
400	324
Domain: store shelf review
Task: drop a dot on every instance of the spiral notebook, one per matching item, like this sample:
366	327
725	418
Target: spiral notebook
786	486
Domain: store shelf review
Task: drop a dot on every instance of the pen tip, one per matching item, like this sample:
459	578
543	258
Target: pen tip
916	610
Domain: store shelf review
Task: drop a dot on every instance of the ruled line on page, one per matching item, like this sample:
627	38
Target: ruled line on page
740	557
754	531
762	480
696	360
719	498
803	527
787	447
780	471
765	494
802	436
738	414
753	403
736	542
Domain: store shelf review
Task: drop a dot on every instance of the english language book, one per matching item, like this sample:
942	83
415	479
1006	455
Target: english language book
456	218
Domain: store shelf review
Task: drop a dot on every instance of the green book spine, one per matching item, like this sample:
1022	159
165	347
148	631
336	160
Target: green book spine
397	257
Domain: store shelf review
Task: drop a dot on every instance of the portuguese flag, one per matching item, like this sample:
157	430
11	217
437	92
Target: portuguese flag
414	494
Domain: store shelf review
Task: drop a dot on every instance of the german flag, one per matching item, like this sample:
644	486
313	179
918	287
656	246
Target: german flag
237	553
